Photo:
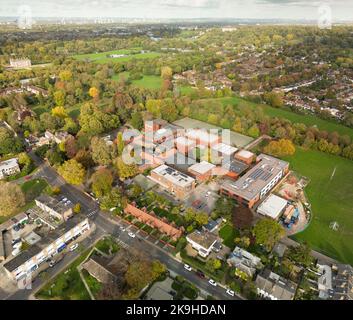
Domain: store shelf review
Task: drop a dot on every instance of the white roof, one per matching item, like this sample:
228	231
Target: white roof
202	167
174	176
8	164
185	141
201	134
225	148
245	154
272	206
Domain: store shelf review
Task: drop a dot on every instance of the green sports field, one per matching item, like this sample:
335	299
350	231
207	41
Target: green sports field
102	57
331	194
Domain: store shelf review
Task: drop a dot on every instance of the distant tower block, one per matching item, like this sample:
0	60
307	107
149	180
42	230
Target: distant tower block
334	226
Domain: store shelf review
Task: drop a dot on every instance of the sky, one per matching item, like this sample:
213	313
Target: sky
154	9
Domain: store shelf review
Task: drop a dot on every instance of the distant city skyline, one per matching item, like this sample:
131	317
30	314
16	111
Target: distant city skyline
187	9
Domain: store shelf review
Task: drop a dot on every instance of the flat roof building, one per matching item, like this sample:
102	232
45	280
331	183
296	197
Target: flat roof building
224	150
245	156
235	168
272	206
62	209
173	180
9	167
201	171
29	260
257	182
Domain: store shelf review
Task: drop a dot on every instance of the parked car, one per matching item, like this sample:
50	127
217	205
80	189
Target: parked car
52	263
122	228
73	247
187	267
200	274
230	292
212	282
132	235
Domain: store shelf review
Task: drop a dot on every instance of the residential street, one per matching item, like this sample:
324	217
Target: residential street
106	225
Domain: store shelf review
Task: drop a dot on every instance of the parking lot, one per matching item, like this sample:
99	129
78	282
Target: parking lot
203	198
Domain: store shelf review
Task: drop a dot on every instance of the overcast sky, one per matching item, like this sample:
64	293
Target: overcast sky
258	9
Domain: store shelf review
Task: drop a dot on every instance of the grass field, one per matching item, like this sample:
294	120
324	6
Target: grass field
102	57
308	120
331	194
148	82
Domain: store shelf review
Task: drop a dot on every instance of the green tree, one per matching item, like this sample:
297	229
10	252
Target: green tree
101	152
125	170
102	181
73	172
268	232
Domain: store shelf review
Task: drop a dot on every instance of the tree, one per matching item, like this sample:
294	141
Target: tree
113	199
242	217
77	208
166	73
73	172
281	148
126	170
100	151
120	143
301	254
11	198
102	181
137	120
213	264
93	92
59	98
254	131
59	112
268	232
274	99
65	75
9	143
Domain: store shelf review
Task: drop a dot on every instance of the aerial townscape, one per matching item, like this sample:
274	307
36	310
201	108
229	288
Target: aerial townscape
175	159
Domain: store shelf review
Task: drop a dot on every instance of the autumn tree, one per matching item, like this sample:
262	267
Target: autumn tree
102	181
11	198
93	92
281	148
73	172
166	73
101	152
125	170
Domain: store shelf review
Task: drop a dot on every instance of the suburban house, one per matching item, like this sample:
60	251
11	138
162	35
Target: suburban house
98	268
202	241
173	180
61	209
244	261
9	168
324	283
256	182
274	287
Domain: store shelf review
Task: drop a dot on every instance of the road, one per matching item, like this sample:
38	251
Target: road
107	225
